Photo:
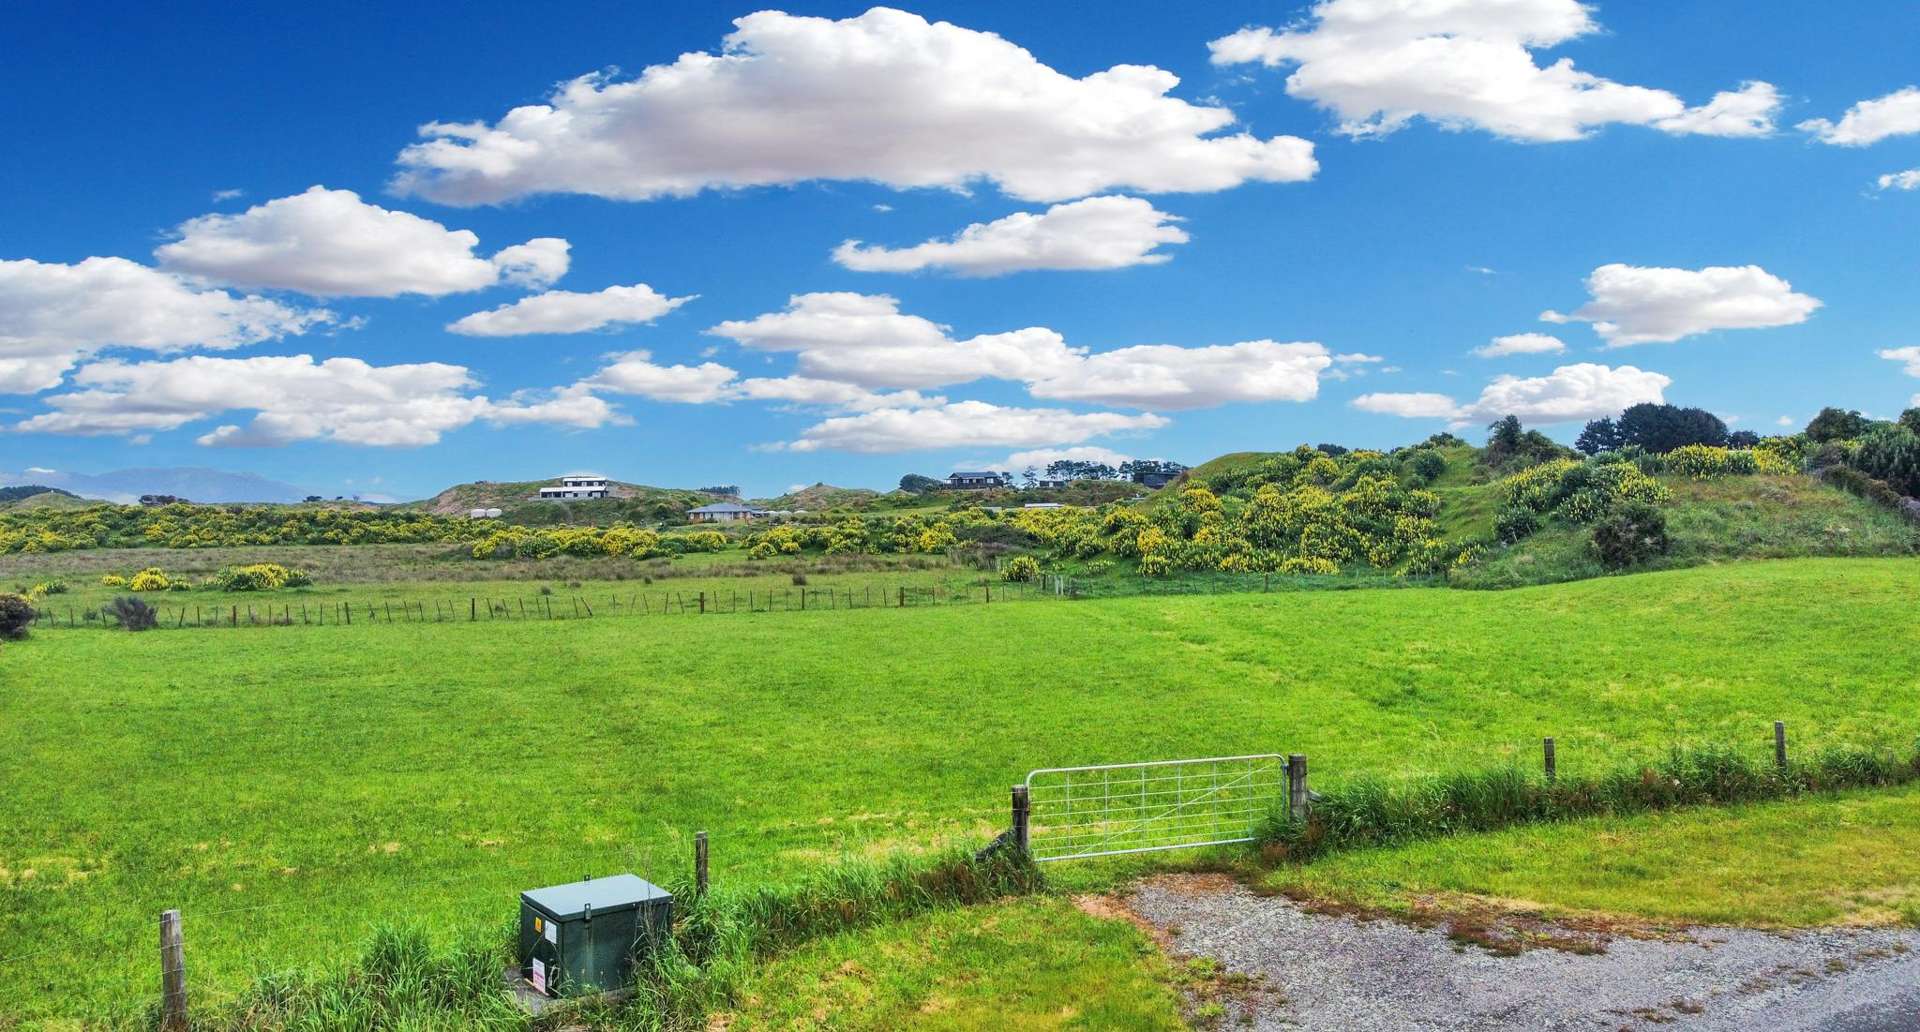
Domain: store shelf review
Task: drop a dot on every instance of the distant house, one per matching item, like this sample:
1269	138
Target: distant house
723	512
1155	481
1043	505
975	481
1044	484
576	485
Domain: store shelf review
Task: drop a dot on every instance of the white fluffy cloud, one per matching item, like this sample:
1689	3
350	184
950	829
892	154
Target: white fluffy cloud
865	339
1908	357
1870	121
964	424
53	315
1521	344
330	243
886	97
1168	377
563	311
1040	458
636	373
1095	233
1908	180
1639	305
1570	393
295	398
1468	64
1409	404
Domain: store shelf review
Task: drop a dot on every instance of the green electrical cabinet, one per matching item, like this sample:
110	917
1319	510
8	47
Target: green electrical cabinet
584	937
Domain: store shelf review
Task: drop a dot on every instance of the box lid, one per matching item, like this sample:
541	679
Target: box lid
615	892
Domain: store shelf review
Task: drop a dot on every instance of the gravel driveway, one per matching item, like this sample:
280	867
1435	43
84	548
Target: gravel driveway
1327	971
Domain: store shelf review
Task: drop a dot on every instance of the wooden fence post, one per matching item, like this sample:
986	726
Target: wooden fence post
1780	744
1022	810
1297	787
173	973
699	863
473	609
703	602
1547	749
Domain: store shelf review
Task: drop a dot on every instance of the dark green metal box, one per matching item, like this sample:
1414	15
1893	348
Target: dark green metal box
584	937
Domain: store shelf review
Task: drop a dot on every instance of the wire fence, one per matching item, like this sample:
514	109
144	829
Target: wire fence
551	607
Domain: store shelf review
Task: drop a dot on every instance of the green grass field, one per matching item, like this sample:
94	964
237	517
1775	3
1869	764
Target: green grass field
290	788
1852	858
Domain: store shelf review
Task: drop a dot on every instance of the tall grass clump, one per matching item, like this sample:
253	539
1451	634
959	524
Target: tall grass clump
402	980
1372	812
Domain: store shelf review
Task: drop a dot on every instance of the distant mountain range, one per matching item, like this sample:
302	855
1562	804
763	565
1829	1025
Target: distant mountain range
190	482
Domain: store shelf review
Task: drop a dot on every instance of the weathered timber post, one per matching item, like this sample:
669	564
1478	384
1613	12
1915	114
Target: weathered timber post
1022	812
1780	744
1546	745
1297	787
473	609
699	863
703	602
173	973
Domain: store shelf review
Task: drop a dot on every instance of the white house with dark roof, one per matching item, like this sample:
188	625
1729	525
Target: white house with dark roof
723	512
975	481
576	485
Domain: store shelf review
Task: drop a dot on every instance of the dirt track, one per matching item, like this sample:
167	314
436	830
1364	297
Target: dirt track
1337	971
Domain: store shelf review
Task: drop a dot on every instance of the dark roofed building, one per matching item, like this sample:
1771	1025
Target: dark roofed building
975	481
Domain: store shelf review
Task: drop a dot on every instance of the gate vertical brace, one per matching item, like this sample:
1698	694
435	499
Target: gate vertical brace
1297	787
1022	811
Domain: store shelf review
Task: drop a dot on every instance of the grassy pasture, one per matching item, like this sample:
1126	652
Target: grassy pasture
1852	858
290	788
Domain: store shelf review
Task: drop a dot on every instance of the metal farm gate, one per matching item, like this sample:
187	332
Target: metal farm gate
1078	812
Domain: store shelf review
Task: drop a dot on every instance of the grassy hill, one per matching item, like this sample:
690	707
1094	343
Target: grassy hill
822	497
519	503
34	496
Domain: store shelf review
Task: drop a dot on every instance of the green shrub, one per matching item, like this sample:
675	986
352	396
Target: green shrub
113	580
1631	534
133	614
1890	454
16	614
1515	522
1021	568
53	587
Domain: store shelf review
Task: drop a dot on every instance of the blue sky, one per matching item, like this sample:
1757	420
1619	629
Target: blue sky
1418	178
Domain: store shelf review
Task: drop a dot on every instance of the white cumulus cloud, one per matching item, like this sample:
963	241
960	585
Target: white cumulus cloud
1095	233
53	315
1469	64
295	398
1521	344
1908	180
885	97
1908	357
1870	121
330	243
865	339
1641	305
1568	394
564	311
1169	377
964	424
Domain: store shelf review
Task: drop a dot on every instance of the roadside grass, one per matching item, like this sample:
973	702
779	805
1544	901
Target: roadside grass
292	789
1846	858
1024	964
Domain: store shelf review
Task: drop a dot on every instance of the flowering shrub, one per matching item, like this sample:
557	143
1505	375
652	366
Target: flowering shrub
1703	461
260	577
150	579
1021	568
113	580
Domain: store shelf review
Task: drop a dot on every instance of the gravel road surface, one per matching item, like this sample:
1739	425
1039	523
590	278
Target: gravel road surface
1325	971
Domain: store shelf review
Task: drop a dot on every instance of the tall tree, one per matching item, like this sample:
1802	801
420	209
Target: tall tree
1598	436
1662	428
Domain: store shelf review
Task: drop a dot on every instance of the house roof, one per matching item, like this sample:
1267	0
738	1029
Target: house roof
583	476
985	473
723	507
